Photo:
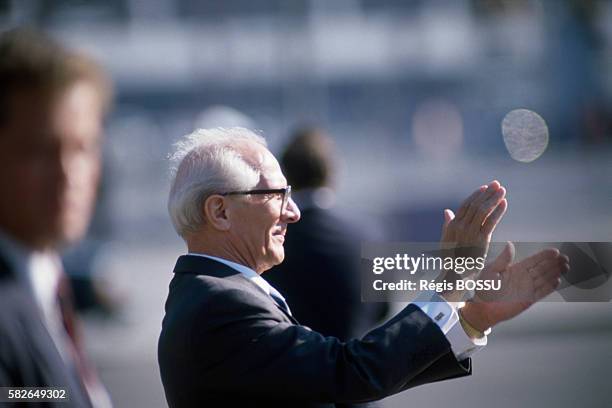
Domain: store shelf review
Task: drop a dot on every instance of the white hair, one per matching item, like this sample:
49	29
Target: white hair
206	162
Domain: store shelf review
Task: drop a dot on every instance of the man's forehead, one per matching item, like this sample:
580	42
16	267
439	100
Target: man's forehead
39	116
271	174
261	158
272	179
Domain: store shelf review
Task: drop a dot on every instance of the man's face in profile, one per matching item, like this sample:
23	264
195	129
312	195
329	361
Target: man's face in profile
50	155
258	225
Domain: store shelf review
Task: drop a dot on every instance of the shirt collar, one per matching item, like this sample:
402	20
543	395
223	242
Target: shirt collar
39	271
247	272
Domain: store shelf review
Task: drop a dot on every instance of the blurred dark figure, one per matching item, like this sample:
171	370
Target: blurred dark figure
320	275
51	111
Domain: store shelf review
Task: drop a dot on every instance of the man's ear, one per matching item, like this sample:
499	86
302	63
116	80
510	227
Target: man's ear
216	212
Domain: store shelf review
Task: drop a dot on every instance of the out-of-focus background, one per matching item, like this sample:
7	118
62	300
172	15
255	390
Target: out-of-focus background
413	93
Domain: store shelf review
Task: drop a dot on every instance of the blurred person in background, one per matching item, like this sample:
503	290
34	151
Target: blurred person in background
229	338
322	252
51	114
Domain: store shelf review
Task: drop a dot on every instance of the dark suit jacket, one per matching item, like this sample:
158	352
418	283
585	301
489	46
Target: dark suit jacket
28	356
320	276
224	342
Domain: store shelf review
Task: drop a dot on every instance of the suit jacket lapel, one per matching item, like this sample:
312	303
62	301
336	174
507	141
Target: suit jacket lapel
198	265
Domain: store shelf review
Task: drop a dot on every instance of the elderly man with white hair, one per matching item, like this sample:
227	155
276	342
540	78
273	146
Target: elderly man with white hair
228	337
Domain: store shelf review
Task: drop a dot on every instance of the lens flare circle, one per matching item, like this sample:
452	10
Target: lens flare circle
525	135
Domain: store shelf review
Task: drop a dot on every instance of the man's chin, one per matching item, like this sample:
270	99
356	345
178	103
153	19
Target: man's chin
279	259
278	256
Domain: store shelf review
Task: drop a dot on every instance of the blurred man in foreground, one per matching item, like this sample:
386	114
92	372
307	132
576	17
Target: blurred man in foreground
51	111
228	337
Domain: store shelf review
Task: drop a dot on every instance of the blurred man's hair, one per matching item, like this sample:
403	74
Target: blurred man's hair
32	61
308	159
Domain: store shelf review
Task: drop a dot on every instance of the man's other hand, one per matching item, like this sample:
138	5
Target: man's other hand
522	284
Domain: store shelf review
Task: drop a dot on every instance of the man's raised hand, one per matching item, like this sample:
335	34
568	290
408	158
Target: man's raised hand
476	219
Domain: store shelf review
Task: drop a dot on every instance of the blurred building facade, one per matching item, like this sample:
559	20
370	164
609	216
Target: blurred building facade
432	77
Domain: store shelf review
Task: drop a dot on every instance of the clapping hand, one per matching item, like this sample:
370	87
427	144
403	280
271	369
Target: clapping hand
476	220
522	284
468	233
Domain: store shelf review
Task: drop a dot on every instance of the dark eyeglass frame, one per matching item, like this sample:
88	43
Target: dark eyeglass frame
286	191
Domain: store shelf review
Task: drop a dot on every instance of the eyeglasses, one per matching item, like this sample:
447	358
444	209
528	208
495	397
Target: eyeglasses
285	191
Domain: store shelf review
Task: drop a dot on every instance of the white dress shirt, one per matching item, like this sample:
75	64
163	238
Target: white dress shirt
443	313
39	273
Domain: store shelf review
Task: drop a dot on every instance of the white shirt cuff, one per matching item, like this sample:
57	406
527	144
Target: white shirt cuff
445	315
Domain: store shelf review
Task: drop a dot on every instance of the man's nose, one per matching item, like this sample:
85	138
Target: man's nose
292	213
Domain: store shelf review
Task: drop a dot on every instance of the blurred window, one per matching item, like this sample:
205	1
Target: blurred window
395	5
81	11
211	9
